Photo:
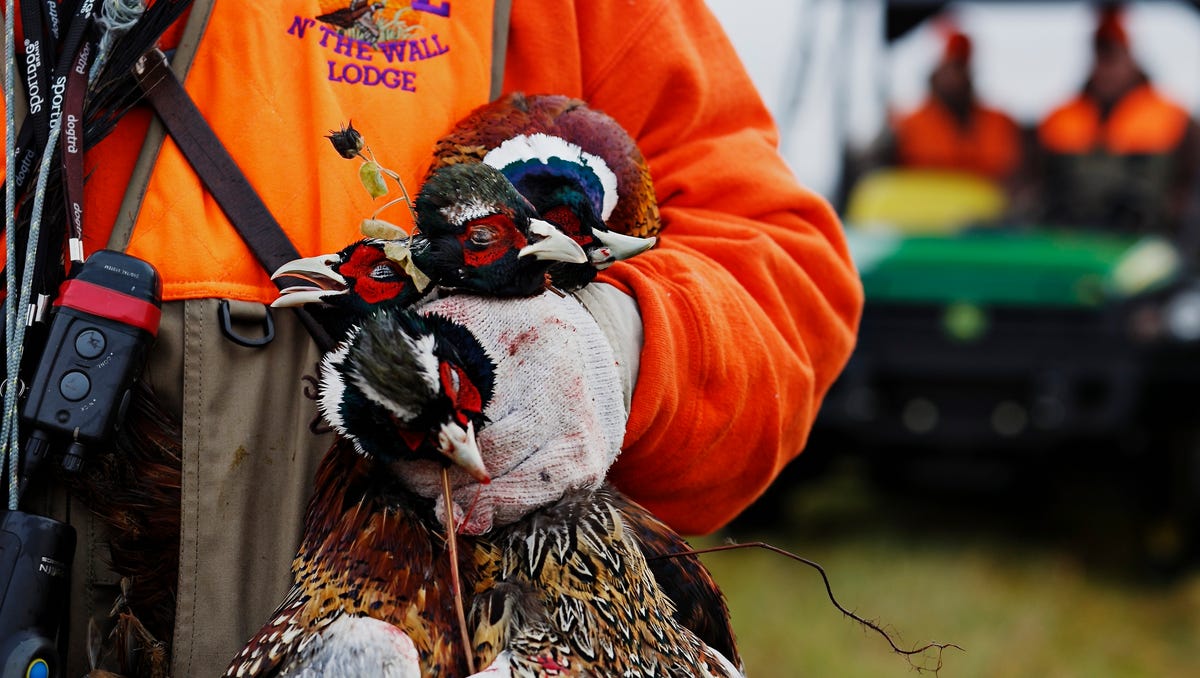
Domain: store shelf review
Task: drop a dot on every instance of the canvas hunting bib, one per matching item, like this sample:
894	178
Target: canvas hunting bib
272	79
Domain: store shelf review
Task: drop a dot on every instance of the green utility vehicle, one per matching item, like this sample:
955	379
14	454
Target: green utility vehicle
1015	338
991	342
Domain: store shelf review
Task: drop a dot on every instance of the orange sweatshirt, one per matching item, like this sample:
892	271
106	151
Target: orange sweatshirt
930	137
750	304
1142	122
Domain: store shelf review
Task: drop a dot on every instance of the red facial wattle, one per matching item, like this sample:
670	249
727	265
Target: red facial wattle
412	439
461	391
567	221
369	287
506	238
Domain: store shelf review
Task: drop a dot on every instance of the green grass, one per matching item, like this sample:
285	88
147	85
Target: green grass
1025	592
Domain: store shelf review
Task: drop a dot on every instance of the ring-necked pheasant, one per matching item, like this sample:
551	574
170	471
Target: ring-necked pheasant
473	228
490	125
368	537
351	282
406	385
401	386
575	191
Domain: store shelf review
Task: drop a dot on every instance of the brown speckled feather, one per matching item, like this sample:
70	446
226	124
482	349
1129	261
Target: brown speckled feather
369	549
699	604
133	488
574	596
488	126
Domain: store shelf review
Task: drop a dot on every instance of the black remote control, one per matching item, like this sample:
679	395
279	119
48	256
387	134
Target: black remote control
105	319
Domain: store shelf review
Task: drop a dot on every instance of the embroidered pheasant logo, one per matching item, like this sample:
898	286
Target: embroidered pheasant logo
375	22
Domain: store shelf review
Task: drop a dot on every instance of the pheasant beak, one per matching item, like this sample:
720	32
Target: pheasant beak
554	245
318	270
460	446
618	247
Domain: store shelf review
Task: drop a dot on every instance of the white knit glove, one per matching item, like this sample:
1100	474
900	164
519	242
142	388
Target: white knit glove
556	417
618	317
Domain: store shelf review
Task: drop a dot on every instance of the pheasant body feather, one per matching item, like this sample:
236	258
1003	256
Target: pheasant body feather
699	604
573	596
369	551
357	646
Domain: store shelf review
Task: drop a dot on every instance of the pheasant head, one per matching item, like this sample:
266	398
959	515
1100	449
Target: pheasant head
406	387
477	234
357	279
576	191
635	212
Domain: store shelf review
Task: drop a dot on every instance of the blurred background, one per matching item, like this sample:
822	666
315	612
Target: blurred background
1011	460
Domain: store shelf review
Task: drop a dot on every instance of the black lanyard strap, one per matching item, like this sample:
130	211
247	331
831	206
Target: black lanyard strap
71	141
35	71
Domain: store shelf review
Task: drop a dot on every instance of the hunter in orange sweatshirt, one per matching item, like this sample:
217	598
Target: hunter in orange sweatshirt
749	304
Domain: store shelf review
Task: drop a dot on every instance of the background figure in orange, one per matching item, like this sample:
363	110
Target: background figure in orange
1120	155
952	130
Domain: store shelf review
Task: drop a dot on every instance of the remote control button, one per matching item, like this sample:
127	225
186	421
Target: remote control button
74	386
90	343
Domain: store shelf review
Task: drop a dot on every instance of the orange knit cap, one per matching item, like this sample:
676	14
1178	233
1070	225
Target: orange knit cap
1110	28
958	48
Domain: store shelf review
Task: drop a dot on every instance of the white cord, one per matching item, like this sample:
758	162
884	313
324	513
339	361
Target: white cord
15	325
115	19
12	328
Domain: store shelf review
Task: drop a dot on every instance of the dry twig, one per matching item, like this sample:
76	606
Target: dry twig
938	648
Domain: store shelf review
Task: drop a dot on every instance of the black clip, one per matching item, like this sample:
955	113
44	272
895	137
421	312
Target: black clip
227	328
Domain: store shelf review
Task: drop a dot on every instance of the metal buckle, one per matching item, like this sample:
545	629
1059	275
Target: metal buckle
249	342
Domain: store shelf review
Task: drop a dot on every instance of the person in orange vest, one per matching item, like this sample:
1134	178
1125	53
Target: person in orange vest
736	324
1121	155
952	130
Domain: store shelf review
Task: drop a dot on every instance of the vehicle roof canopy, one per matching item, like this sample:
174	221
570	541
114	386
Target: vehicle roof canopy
904	15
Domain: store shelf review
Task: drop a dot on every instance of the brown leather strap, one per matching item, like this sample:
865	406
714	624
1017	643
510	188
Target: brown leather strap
219	173
212	163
